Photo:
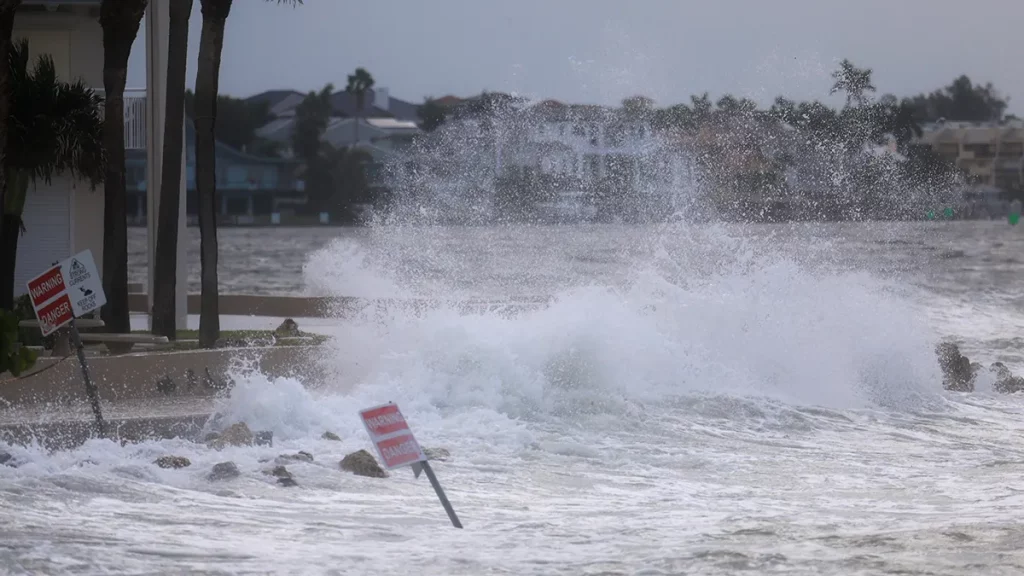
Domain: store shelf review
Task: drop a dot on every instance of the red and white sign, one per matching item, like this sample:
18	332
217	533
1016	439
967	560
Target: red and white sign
391	436
44	287
65	291
55	314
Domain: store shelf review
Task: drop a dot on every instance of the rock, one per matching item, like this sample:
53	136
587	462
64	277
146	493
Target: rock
223	471
174	462
331	436
957	374
439	454
362	463
264	438
236	435
6	459
300	457
284	477
278	471
287	328
1006	382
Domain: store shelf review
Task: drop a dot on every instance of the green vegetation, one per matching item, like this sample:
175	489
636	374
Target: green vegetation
53	127
14	357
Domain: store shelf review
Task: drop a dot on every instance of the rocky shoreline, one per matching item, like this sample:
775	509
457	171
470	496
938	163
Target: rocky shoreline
959	374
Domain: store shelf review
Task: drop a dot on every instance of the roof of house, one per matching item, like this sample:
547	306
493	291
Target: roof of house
271	97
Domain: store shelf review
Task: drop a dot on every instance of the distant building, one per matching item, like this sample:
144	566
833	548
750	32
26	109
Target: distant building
992	154
247	186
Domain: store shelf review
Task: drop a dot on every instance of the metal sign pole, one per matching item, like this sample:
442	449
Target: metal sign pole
90	387
440	494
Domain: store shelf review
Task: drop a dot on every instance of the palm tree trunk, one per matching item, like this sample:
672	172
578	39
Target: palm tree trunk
165	273
120	20
211	43
8	232
17	188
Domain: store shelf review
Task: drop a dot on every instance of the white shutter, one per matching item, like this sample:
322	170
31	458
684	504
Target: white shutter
47	236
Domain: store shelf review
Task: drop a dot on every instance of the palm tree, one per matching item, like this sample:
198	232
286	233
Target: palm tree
856	82
54	127
211	44
120	20
358	84
165	272
7	10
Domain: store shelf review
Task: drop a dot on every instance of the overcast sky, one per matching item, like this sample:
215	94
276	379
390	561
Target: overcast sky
604	50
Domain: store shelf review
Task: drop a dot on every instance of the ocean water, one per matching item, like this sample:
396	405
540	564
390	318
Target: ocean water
687	400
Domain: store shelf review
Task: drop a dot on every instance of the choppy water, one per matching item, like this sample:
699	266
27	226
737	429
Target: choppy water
692	400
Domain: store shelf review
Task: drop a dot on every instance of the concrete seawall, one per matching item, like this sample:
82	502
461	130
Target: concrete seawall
193	373
143	396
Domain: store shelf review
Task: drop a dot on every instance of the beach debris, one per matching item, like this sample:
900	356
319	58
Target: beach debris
957	373
237	434
439	454
362	463
1006	382
284	477
173	462
299	457
223	471
287	328
264	438
331	436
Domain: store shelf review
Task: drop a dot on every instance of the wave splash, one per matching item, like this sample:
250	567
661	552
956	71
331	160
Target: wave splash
718	316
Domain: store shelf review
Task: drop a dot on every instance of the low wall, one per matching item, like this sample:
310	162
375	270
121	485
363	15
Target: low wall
193	373
325	307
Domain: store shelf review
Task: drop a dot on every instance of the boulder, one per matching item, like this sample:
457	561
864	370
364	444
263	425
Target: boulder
957	373
6	459
173	462
223	471
236	435
299	457
287	328
331	436
264	438
1006	382
284	477
362	463
439	454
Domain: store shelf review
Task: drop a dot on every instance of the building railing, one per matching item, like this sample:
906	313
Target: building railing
135	119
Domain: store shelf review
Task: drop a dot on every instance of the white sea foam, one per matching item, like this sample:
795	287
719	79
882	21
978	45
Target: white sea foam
725	407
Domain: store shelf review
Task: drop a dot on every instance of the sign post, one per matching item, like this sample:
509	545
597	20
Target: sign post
65	291
397	447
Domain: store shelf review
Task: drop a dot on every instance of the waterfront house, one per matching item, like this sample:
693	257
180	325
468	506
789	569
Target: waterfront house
65	217
250	188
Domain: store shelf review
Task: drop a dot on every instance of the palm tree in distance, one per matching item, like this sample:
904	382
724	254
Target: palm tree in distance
358	84
856	82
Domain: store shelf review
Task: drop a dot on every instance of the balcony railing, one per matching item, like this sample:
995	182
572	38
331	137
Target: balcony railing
135	119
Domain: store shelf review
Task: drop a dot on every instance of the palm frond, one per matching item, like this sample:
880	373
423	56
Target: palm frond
54	126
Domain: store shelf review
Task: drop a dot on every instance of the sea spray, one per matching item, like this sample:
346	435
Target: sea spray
721	317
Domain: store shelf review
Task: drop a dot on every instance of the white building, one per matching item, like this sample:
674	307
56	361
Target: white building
66	217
